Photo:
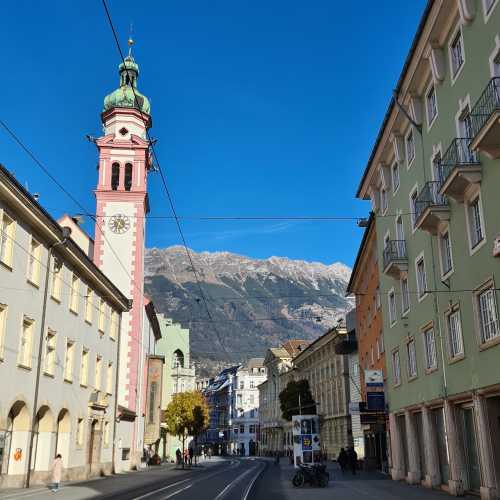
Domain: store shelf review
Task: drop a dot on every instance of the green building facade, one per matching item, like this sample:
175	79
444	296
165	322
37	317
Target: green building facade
433	179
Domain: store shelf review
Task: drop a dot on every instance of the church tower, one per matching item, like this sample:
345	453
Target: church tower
122	203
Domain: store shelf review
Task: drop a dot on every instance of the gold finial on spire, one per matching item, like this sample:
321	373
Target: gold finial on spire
130	41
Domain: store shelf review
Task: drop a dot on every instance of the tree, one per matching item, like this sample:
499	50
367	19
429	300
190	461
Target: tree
296	398
186	415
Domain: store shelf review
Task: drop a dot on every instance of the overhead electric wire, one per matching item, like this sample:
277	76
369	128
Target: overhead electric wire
167	191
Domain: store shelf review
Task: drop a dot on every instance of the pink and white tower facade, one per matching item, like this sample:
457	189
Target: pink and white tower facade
122	203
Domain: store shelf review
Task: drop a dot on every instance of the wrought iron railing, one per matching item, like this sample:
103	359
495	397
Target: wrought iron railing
459	154
395	250
487	103
429	197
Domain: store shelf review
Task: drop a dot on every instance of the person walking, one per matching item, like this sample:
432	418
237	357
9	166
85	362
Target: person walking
191	455
178	456
342	460
56	472
352	460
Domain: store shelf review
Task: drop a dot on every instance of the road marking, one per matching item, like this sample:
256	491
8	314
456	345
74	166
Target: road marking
232	483
161	489
252	482
177	492
26	494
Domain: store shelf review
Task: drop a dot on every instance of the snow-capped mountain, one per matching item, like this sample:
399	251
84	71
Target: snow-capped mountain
253	303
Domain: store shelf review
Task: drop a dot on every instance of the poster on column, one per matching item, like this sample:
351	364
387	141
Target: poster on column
306	442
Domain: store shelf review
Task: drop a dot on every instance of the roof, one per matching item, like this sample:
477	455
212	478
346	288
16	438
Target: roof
295	347
152	317
54	234
361	251
310	346
409	57
255	363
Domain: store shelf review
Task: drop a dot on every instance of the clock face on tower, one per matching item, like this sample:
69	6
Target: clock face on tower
119	223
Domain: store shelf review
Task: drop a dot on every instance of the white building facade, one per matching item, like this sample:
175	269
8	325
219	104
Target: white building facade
59	343
244	417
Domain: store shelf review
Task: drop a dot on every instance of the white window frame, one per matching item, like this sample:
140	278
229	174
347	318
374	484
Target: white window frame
396	367
485	288
84	368
56	281
24	355
404	312
413	215
411	374
395	167
69	360
409	161
115	324
488	12
98	372
421	294
431	120
468	202
88	305
454	312
50	356
445	274
494	58
430	354
33	270
384	200
9	239
454	74
74	291
109	378
101	324
392	310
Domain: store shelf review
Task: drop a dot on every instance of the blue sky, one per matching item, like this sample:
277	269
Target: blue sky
260	108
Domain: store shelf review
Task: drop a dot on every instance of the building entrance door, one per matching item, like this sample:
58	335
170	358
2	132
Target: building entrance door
470	450
94	455
442	445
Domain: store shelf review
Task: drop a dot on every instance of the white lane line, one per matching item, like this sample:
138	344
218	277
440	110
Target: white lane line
252	482
232	483
26	494
162	489
177	492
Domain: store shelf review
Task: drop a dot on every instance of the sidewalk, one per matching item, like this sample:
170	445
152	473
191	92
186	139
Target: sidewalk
95	487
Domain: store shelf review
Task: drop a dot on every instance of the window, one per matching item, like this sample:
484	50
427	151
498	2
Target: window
488	314
251	429
413	207
68	360
392	307
252	413
56	279
73	294
456	53
395	177
3	327
410	148
84	368
431	105
80	431
475	222
34	262
421	278
455	334
50	352
405	296
383	201
396	368
128	177
242	384
252	399
239	400
236	431
153	389
26	342
109	378
242	428
437	168
445	250
115	176
98	372
412	358
113	333
7	229
378	302
488	5
252	384
430	349
89	304
102	315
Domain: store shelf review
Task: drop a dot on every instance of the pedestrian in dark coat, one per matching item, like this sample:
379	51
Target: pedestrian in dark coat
178	456
353	460
342	460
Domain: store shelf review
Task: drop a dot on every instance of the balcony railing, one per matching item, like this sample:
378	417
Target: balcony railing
394	251
429	197
459	154
488	102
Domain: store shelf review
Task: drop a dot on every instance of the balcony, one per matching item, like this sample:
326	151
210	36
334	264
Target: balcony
485	117
460	168
395	258
431	208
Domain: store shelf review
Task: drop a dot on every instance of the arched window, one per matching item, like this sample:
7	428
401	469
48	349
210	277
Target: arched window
128	176
115	176
178	359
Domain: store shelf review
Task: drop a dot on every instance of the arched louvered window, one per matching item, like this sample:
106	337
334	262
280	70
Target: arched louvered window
128	176
115	176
